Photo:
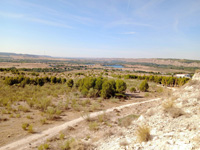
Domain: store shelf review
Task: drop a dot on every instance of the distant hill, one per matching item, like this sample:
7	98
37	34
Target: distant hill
25	55
165	63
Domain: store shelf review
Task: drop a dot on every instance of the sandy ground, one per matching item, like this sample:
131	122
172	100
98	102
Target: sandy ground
38	138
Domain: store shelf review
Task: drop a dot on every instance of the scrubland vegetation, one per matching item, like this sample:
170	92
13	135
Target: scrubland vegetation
41	98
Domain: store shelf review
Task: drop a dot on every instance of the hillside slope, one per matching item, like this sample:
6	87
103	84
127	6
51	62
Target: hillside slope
174	124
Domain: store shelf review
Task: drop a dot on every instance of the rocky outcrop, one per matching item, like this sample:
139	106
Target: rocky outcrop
196	76
167	132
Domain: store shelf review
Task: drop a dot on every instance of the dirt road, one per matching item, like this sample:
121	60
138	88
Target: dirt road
37	138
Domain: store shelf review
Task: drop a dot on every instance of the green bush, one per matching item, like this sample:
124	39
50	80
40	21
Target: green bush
132	89
144	86
53	79
108	89
120	86
92	93
70	83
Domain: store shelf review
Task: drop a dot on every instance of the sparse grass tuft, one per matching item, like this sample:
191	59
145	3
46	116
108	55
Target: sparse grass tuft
170	108
175	112
102	118
30	129
72	144
127	120
44	146
114	100
25	126
18	115
61	136
43	121
29	117
167	104
23	108
86	116
68	144
143	133
93	126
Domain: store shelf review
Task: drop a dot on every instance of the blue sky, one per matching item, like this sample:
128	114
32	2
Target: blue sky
101	28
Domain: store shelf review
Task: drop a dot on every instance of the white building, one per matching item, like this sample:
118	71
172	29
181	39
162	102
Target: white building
182	76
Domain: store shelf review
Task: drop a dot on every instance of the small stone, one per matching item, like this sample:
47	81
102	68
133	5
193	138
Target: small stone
187	141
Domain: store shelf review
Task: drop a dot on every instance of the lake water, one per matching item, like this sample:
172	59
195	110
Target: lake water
115	66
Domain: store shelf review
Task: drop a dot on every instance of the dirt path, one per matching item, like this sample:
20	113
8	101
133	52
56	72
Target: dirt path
38	138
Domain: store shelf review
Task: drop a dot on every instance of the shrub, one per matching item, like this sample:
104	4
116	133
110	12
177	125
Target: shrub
84	92
86	117
120	86
98	83
43	121
92	93
29	117
167	104
30	129
53	79
93	126
143	133
108	89
127	120
132	89
23	108
61	136
44	146
63	80
25	126
70	83
102	118
40	81
51	112
144	86
170	108
68	144
44	103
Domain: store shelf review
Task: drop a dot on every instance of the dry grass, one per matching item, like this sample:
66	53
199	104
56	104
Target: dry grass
73	144
127	120
108	133
30	129
167	104
170	108
61	136
93	126
175	112
43	146
143	133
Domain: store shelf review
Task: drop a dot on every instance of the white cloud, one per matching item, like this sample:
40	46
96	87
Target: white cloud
129	33
34	19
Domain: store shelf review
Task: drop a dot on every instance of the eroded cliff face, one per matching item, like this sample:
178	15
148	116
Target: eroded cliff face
196	76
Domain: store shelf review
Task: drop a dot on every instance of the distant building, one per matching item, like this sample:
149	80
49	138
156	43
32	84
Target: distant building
182	76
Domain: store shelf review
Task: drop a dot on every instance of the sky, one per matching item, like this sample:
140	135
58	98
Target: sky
101	28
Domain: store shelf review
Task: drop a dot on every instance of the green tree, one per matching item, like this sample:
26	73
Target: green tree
120	86
107	89
144	86
40	81
89	83
70	83
98	83
53	79
63	80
